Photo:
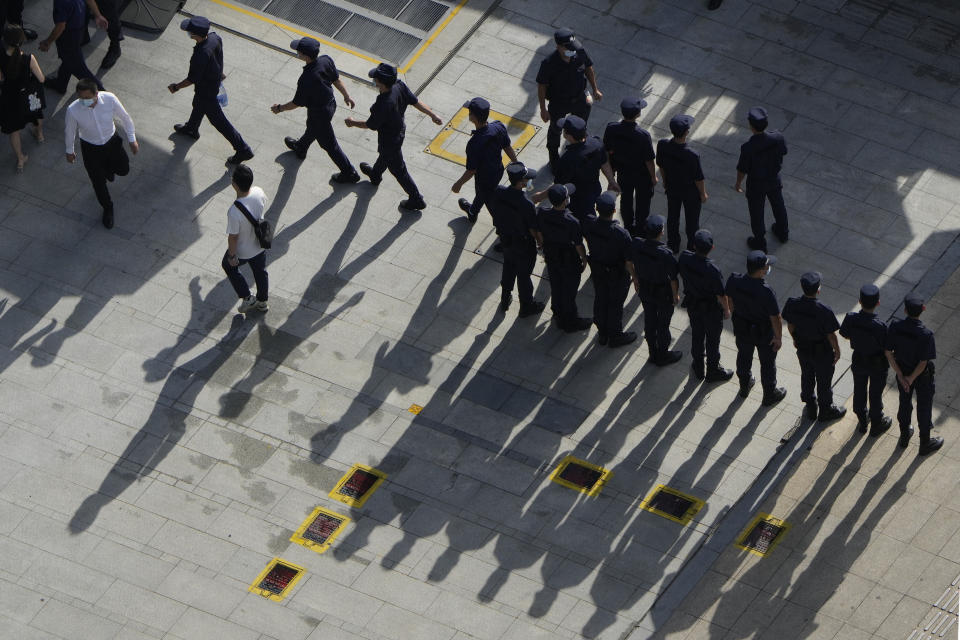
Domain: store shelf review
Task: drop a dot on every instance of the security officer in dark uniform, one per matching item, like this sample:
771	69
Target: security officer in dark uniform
682	180
387	119
658	289
565	256
488	141
206	74
611	269
515	218
110	10
706	307
315	92
69	27
631	156
911	350
761	158
562	87
813	327
11	12
580	165
868	336
756	325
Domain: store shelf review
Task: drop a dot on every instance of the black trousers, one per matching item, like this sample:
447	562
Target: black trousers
72	62
11	12
392	160
484	188
816	374
706	325
757	195
103	162
583	203
207	105
111	11
610	288
924	386
320	130
258	265
636	193
519	259
690	202
868	382
564	284
746	344
558	109
657	313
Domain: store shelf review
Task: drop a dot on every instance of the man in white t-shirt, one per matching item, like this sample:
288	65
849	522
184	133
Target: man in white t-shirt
242	244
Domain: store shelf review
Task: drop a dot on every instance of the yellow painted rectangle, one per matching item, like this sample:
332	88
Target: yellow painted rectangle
687	516
458	129
605	475
317	546
277	597
355	502
763	517
415	409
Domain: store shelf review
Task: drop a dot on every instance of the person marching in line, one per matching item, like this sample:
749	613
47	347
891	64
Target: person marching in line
813	327
582	162
488	141
659	290
69	27
630	148
706	307
868	335
761	158
682	180
315	92
566	258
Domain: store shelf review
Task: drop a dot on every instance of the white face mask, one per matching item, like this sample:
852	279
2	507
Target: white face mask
569	53
87	102
769	269
528	186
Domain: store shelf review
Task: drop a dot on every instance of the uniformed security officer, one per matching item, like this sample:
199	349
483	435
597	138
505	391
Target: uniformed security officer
868	335
488	141
813	327
562	87
565	256
387	119
706	307
611	270
206	74
315	92
756	325
910	351
69	27
631	156
580	165
515	218
658	289
682	180
761	158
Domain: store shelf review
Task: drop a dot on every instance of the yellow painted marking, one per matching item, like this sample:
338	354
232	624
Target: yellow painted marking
763	517
415	409
277	597
686	517
605	475
317	546
438	146
429	41
357	502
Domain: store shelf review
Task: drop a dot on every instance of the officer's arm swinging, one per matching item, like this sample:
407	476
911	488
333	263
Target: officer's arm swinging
469	173
777	332
423	108
342	88
592	78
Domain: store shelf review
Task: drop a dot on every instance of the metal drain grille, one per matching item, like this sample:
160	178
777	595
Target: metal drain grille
582	476
422	14
389	43
670	503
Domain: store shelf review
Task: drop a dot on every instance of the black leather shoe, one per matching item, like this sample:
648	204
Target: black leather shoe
505	301
880	426
624	338
413	204
602	339
861	423
781	236
578	324
698	371
367	170
930	445
746	385
29	34
293	146
190	133
774	396
718	375
668	358
811	410
832	413
108	217
110	59
346	178
240	156
534	308
904	440
465	205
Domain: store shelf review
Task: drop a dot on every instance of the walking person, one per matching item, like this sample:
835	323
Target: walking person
868	335
206	74
11	12
21	92
91	116
315	92
706	306
387	119
682	180
488	141
630	148
565	256
658	289
761	158
243	247
910	351
110	11
69	27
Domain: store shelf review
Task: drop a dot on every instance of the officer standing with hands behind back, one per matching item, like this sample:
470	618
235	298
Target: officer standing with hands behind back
706	307
658	289
565	256
630	148
484	159
868	335
761	158
682	180
582	161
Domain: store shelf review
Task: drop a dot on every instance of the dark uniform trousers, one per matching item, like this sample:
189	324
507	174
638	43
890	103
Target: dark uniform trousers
757	194
636	192
519	259
321	130
392	160
924	386
750	337
72	62
610	287
484	187
110	9
816	372
869	378
558	109
690	201
207	105
657	312
706	325
11	12
102	162
563	268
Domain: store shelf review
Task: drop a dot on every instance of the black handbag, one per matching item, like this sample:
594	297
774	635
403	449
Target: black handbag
262	228
34	99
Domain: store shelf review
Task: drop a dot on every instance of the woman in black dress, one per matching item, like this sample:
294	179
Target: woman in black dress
21	92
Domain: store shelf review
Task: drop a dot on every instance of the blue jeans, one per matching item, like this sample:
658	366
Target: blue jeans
258	264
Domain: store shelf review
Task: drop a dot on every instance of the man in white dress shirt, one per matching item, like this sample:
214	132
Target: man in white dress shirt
92	116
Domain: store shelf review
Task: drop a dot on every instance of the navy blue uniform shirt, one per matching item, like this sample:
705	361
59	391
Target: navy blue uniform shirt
630	147
206	65
654	262
580	165
386	115
566	81
608	241
866	332
910	342
811	319
485	147
513	213
681	166
702	279
71	12
753	299
560	229
314	90
762	156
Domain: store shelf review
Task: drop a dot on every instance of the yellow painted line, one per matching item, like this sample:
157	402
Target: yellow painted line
763	517
282	25
429	41
257	588
319	547
687	516
339	494
436	147
605	475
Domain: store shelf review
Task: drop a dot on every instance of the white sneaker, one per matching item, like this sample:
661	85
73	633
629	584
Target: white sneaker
261	305
246	304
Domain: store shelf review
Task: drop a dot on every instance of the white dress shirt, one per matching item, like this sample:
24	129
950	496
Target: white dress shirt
95	123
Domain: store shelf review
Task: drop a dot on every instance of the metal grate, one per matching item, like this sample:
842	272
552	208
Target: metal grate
422	14
387	42
358	484
389	8
670	503
316	15
581	476
278	579
761	537
322	527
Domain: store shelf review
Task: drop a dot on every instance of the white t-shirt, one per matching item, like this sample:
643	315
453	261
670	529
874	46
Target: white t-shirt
247	244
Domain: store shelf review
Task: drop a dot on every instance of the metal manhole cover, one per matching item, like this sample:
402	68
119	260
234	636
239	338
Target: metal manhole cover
583	477
320	529
763	534
672	504
574	473
357	485
276	581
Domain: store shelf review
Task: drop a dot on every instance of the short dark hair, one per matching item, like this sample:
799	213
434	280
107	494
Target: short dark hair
243	177
86	84
13	35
